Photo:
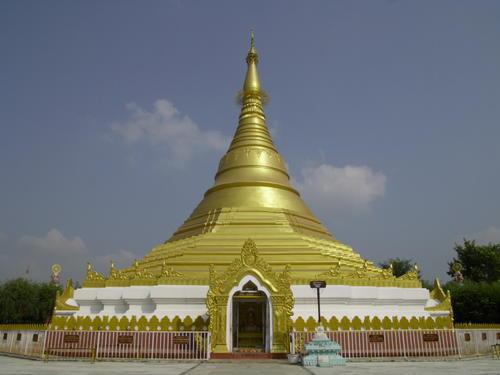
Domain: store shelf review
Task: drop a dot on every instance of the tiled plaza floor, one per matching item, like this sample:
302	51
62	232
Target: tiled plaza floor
17	366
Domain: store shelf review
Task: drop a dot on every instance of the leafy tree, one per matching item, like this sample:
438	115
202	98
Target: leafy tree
399	266
46	300
475	302
479	262
24	301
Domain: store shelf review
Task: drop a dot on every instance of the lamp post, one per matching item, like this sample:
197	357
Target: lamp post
318	285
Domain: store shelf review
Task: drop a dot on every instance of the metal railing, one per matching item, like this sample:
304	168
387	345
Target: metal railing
379	344
181	345
195	345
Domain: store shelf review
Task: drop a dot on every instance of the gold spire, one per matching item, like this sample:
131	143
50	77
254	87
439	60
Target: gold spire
252	175
252	86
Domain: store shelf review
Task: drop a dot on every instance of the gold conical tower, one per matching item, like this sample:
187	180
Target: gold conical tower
252	176
252	198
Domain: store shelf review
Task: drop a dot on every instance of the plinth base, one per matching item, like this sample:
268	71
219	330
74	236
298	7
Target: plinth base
322	352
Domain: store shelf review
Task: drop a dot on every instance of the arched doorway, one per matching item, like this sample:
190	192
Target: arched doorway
278	301
250	319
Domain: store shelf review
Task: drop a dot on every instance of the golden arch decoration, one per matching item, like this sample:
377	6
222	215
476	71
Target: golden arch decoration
278	284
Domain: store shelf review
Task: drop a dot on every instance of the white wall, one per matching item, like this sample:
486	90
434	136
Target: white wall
183	300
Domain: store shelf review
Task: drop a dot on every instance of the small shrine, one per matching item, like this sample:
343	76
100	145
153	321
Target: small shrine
322	352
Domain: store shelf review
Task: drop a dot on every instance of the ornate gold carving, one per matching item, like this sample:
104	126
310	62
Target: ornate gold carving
278	285
168	273
362	273
444	305
334	271
143	323
141	276
136	275
410	275
437	293
114	273
341	273
116	277
249	253
374	323
388	273
62	298
93	279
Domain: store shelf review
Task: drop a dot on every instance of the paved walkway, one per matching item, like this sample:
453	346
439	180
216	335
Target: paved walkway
16	366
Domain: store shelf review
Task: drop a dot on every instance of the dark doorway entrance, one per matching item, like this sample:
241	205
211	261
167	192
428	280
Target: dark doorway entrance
249	319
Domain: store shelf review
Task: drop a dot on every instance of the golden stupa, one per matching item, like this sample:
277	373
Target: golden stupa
252	197
245	257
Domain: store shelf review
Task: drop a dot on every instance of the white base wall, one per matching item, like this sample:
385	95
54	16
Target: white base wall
361	301
184	300
160	300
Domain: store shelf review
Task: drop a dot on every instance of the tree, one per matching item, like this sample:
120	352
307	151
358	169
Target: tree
475	302
46	298
24	301
478	262
399	266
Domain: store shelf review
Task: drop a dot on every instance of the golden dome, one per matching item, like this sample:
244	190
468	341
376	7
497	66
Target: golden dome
252	176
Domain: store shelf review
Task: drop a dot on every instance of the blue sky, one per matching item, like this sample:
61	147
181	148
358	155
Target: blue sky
114	114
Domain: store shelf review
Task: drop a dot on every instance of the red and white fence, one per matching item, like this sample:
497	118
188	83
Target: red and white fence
182	345
195	345
378	344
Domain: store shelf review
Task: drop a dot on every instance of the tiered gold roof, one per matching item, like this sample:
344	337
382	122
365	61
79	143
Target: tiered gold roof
252	184
252	197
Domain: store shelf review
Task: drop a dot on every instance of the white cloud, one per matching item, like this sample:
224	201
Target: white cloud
38	253
345	189
164	125
32	256
54	243
490	234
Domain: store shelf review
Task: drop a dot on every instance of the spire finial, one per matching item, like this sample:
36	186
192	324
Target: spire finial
252	56
252	81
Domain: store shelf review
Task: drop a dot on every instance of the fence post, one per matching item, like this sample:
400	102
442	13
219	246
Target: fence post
12	342
459	342
45	334
98	341
403	336
93	353
26	345
292	343
209	345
